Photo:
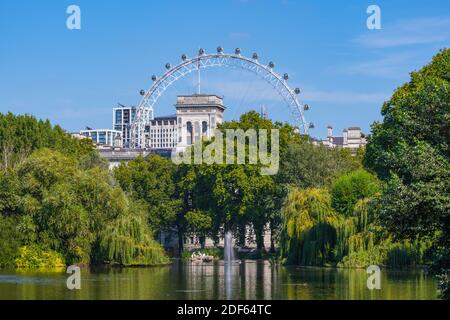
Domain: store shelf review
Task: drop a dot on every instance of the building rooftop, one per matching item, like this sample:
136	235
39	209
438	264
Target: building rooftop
199	100
167	117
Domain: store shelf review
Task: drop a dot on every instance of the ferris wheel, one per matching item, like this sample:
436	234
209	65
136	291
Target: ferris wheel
219	59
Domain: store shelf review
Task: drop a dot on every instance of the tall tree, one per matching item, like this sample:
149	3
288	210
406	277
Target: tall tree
152	180
410	151
21	135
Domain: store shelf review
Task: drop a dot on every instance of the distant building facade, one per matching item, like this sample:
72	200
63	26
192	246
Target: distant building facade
352	138
123	118
196	116
104	137
162	133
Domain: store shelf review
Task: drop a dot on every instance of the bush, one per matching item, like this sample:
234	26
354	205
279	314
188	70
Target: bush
348	189
35	257
386	253
364	258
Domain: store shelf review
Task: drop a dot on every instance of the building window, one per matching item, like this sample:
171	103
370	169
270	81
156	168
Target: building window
204	128
189	133
118	116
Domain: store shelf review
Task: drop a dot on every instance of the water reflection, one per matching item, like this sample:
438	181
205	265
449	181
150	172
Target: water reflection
247	280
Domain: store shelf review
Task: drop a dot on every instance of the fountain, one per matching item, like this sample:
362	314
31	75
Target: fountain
228	260
228	248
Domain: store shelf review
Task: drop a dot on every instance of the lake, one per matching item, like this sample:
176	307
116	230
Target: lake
245	280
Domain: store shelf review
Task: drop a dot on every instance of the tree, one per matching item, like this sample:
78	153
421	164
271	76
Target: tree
307	166
152	180
10	240
57	198
348	189
200	223
61	209
21	135
128	240
235	196
410	151
308	234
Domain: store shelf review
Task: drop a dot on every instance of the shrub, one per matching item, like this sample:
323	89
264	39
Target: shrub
35	257
349	188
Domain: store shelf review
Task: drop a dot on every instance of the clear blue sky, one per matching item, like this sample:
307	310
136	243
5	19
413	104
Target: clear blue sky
346	71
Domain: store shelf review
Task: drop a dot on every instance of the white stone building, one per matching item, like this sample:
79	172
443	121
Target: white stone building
197	116
352	138
162	133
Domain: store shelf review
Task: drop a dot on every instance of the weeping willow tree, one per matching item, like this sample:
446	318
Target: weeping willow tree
128	241
355	231
309	228
314	234
361	242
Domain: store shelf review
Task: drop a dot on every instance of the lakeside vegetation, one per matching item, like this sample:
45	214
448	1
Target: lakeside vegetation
60	205
388	205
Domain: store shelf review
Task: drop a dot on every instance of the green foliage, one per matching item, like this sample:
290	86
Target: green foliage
410	150
9	186
314	234
348	189
93	160
152	180
419	206
440	267
444	285
9	241
200	223
35	257
50	199
21	135
309	166
391	254
128	241
309	228
64	207
236	195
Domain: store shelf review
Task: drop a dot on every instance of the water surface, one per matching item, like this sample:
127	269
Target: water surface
246	280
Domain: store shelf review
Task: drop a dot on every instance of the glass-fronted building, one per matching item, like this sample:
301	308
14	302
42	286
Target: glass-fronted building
105	137
123	118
